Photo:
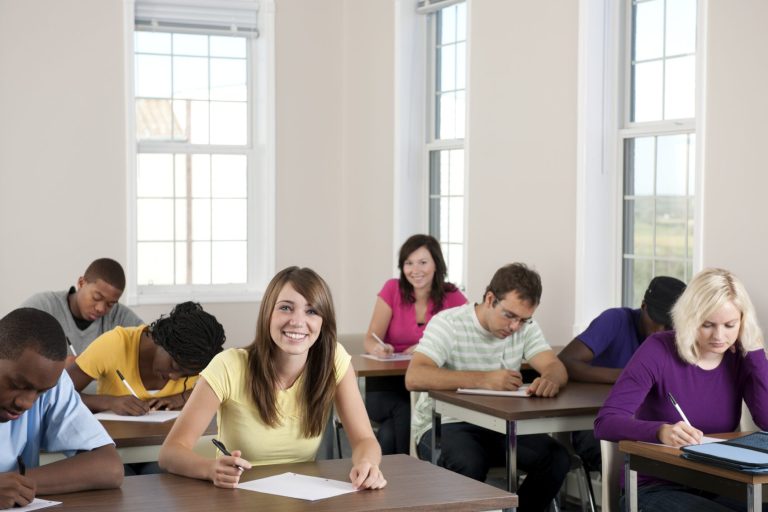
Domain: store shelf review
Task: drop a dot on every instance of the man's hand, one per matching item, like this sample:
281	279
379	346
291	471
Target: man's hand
542	386
503	380
15	490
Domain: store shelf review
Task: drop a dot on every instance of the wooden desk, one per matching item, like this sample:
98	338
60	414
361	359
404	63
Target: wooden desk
413	485
574	408
665	462
137	442
365	367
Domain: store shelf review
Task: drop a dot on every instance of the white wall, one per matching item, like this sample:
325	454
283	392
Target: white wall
735	225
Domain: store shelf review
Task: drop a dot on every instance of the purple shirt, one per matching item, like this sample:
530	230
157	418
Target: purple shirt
638	405
403	331
613	337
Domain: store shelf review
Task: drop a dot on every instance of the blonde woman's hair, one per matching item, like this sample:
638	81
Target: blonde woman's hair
707	292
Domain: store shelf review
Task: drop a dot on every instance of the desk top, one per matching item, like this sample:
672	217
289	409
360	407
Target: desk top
365	367
671	456
127	434
413	485
577	398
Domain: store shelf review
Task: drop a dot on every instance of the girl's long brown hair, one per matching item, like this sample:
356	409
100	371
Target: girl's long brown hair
318	382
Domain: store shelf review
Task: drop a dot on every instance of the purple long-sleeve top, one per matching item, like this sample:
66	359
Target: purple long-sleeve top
638	404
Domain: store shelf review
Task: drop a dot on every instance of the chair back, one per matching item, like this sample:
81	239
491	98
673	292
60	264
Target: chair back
613	471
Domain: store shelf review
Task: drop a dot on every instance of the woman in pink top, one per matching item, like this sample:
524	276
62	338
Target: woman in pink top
402	310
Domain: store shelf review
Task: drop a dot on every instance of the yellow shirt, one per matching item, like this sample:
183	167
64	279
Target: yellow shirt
240	426
118	349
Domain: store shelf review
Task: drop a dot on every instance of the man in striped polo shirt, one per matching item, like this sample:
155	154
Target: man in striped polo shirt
482	346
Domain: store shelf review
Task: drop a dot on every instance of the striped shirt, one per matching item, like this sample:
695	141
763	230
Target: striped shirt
455	340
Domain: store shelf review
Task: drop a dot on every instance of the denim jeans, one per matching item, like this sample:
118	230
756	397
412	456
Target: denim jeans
667	497
471	451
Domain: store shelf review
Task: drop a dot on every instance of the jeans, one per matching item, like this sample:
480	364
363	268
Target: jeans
667	497
389	404
471	451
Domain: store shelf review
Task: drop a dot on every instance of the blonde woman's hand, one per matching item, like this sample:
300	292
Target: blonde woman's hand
679	434
365	475
225	471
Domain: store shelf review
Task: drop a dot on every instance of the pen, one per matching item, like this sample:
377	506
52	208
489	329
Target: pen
22	467
223	449
125	383
71	347
679	410
378	340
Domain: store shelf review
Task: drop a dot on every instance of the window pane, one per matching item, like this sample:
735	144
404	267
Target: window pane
639	180
229	176
180	171
181	263
638	226
155	175
680	92
455	263
447	116
671	268
190	78
229	262
649	30
228	81
457	173
637	275
228	219
445	172
154	120
672	154
447	76
181	114
155	263
201	219
461	22
444	218
223	46
199	123
448	25
671	227
461	66
153	76
181	219
229	123
151	42
692	164
456	219
201	262
154	219
190	44
647	93
460	114
201	176
681	27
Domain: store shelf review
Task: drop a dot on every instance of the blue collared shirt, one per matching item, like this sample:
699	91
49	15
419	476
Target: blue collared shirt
58	421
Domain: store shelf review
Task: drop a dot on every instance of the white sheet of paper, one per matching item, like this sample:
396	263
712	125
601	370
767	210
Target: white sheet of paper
393	357
150	417
704	440
36	504
298	486
522	391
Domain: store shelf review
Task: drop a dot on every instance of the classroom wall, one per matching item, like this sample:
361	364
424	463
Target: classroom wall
522	174
735	226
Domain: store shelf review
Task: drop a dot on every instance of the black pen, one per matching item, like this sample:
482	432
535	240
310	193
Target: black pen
223	449
22	467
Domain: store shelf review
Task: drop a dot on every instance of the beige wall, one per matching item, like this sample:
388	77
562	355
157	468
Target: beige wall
62	149
522	174
735	227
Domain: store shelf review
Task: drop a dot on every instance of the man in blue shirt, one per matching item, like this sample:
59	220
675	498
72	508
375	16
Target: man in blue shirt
40	410
600	352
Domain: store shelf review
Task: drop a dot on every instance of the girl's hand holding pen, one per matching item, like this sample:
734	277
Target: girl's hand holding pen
365	475
382	349
128	405
227	469
679	434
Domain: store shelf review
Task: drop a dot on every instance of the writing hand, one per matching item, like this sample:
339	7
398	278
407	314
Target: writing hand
15	490
128	405
223	471
505	380
679	434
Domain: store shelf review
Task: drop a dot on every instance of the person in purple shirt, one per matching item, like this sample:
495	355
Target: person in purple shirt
600	352
713	360
403	308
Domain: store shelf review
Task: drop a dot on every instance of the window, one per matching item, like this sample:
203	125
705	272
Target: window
445	134
658	142
201	180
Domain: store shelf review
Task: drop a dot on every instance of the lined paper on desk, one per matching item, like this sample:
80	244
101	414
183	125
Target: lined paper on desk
150	417
522	392
303	487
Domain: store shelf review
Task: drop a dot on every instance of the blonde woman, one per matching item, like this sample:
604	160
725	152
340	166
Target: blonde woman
274	397
713	360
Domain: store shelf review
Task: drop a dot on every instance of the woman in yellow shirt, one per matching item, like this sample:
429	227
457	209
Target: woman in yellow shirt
160	362
274	397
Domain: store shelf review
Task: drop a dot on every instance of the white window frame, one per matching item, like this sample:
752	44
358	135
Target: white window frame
261	176
603	86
